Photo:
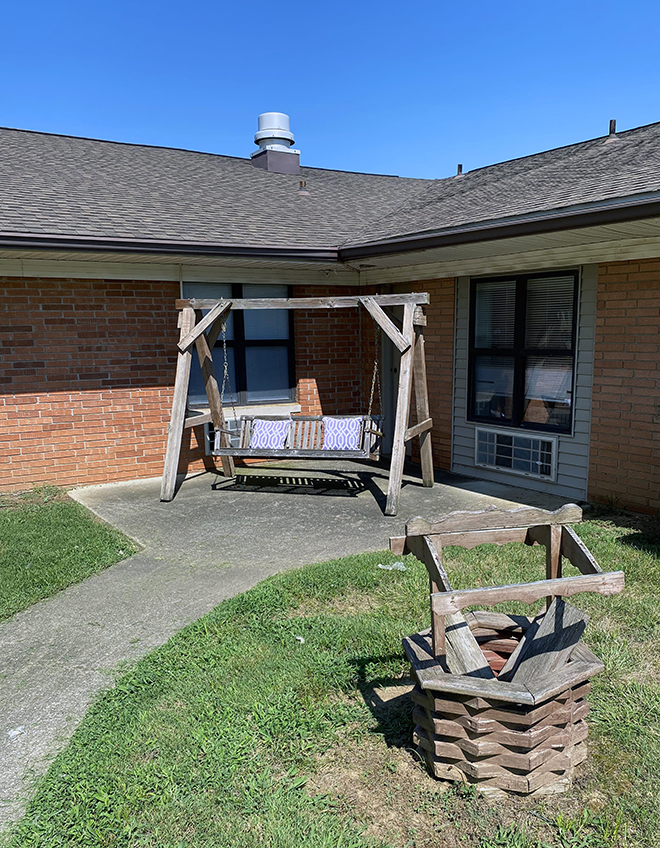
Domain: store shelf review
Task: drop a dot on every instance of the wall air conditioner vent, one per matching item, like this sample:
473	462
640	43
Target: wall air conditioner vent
529	456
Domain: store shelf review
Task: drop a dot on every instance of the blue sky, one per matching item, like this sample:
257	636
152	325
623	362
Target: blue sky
403	88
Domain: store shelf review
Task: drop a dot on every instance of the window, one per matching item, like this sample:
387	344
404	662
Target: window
259	343
522	351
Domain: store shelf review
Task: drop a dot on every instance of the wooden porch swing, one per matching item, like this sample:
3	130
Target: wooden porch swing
302	436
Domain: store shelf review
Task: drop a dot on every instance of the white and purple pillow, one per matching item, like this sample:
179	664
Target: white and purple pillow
269	435
341	434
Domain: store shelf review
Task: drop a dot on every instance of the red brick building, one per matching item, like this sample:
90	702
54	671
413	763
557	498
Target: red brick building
542	336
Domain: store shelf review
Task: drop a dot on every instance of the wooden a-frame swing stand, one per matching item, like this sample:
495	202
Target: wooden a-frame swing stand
203	330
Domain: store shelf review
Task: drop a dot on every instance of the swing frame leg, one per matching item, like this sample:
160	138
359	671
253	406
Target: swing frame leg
179	405
404	394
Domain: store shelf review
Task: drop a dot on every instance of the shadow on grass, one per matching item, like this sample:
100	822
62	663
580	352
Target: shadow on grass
389	702
646	535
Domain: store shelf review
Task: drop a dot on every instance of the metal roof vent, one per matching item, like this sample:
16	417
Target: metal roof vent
275	140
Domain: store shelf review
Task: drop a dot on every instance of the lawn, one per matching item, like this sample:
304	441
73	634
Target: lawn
48	542
281	719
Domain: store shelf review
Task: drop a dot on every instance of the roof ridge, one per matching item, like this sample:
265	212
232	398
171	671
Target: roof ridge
575	144
124	143
245	159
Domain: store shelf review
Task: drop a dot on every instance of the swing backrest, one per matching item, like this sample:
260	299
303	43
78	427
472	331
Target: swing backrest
306	432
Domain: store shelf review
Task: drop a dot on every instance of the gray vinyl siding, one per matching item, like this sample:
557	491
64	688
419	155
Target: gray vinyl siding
572	450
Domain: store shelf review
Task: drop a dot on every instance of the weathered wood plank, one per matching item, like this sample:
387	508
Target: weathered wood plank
178	414
418	429
415	298
493	518
567	677
499	621
607	583
404	395
464	656
427	553
423	408
398	545
472	538
216	313
196	419
476	686
547	644
577	553
385	323
553	556
286	453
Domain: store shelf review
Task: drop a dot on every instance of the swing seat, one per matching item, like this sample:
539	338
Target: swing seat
304	438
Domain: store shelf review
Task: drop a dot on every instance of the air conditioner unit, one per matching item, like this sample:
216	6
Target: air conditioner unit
515	453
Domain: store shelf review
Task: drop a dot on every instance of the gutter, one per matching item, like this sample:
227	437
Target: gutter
530	225
90	243
535	223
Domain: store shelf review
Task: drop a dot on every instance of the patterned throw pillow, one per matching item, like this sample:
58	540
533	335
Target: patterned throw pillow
341	433
269	435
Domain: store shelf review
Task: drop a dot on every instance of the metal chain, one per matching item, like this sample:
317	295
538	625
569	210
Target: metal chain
226	381
375	381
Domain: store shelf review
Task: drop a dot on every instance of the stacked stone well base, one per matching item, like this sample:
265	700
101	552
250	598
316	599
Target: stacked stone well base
495	744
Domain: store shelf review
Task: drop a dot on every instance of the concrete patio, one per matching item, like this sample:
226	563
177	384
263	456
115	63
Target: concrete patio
216	539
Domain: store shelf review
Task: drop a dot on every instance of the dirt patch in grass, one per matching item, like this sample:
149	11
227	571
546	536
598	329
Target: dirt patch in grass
384	787
352	603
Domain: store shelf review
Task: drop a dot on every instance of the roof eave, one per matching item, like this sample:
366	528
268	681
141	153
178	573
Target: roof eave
35	241
531	225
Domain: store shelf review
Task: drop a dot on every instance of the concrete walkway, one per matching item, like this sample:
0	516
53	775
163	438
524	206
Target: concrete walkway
212	542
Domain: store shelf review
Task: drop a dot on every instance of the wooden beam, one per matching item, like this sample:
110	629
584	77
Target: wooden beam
451	636
419	317
398	545
480	537
546	646
426	552
418	429
414	298
423	408
215	401
197	419
553	556
402	414
385	323
178	415
216	313
494	518
577	553
607	583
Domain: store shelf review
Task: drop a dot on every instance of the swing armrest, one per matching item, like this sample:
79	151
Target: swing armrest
373	432
222	430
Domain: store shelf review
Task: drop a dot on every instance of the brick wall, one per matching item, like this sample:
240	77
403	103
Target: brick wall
625	428
86	380
87	373
334	352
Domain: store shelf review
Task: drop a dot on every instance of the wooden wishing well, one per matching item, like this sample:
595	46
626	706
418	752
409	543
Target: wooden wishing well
500	700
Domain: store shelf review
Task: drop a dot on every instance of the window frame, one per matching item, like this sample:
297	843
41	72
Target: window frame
239	344
519	352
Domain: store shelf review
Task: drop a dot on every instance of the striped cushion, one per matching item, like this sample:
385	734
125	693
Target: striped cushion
341	433
269	435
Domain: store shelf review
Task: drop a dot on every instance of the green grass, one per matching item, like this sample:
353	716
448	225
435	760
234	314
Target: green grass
238	733
48	542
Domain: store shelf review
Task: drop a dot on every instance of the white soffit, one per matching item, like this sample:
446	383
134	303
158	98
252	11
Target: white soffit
131	266
610	242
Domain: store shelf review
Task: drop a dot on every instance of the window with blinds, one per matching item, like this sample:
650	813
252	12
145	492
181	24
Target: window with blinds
522	347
